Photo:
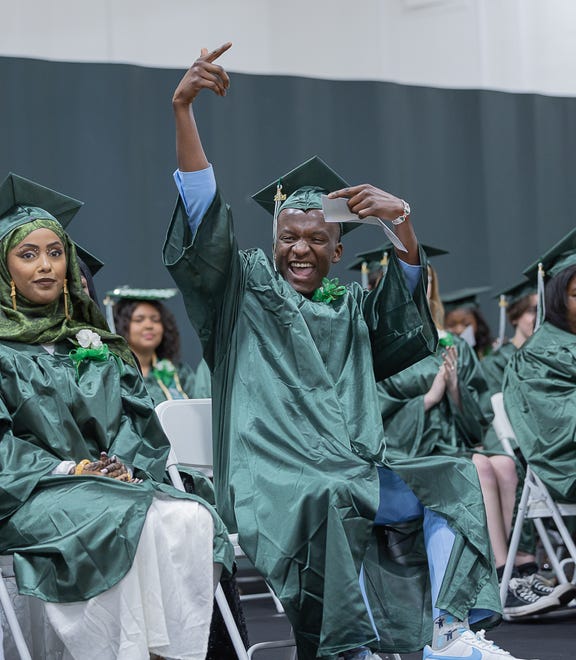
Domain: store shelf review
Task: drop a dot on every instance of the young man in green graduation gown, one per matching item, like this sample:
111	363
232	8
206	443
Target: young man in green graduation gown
299	449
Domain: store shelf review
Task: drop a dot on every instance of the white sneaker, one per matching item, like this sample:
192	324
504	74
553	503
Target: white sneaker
469	646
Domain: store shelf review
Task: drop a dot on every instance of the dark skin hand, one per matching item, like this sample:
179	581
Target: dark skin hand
203	74
365	200
109	466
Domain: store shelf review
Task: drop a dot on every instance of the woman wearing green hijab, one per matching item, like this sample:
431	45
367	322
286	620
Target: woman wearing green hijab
84	510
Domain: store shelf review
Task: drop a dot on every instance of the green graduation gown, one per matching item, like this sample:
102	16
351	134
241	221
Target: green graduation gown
540	399
298	435
74	537
203	383
493	366
444	429
186	376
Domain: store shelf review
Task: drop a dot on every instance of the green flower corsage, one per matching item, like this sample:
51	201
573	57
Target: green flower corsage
329	291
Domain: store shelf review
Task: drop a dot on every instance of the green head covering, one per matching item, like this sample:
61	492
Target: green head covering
31	323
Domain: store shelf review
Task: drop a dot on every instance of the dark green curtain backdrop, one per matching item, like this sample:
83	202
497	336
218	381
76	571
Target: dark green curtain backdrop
489	175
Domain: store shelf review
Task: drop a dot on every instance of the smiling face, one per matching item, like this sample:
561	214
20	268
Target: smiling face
37	266
146	330
306	247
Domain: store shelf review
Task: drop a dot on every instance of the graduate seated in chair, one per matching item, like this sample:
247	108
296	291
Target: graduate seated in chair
540	379
143	319
300	462
92	528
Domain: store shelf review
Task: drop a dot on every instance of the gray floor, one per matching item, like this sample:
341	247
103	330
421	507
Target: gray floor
549	637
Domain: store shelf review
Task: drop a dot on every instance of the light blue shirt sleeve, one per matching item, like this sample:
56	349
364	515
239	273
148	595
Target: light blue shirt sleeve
412	274
197	190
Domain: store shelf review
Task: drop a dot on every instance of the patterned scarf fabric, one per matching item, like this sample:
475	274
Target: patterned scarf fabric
31	323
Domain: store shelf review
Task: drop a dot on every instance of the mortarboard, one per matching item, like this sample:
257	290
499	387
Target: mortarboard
557	258
22	201
300	186
129	293
92	263
375	260
380	254
553	261
466	298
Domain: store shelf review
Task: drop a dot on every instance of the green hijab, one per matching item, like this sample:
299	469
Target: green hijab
31	323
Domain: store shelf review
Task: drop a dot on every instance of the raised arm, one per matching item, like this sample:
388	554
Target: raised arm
365	200
203	74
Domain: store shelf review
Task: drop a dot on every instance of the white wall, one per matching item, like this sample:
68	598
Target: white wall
513	45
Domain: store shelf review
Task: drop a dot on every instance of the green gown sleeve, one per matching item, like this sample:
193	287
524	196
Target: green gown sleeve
443	429
540	399
207	276
187	377
401	327
203	385
73	537
493	366
16	452
474	414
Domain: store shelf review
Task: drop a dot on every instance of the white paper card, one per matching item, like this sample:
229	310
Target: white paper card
336	210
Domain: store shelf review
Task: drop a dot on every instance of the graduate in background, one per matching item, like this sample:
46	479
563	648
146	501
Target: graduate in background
518	304
150	329
462	317
529	592
540	379
89	266
373	264
441	406
300	464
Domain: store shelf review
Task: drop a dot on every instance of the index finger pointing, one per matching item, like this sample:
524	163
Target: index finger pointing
215	54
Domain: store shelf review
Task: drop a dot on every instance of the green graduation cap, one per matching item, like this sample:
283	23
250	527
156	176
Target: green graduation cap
557	258
92	263
302	188
130	293
517	291
22	201
466	298
380	254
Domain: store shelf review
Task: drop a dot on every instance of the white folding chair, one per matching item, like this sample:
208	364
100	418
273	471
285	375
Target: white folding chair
188	426
12	621
536	504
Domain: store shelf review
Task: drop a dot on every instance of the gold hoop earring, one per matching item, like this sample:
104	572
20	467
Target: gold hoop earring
13	294
66	313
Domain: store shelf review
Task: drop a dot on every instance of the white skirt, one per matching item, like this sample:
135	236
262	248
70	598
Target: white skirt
162	605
